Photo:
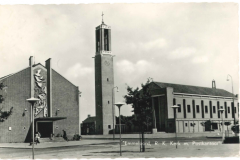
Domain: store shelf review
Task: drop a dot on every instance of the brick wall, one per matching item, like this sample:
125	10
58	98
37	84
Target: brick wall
15	96
65	98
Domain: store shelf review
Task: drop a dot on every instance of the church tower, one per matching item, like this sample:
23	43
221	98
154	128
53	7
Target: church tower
104	80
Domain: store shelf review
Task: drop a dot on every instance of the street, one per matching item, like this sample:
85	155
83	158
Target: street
159	148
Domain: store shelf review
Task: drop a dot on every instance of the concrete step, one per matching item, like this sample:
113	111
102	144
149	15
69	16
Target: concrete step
54	139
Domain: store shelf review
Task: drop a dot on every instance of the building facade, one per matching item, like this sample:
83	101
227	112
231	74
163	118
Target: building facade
57	108
198	109
104	80
89	126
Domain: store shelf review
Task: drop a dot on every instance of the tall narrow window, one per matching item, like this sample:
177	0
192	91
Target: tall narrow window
218	107
106	40
225	107
228	109
174	101
184	108
238	109
214	109
202	107
210	105
232	110
193	107
107	79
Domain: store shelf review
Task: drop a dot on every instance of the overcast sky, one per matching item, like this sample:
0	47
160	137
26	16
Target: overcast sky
182	43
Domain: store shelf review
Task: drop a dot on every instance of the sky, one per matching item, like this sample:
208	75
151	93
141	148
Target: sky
181	43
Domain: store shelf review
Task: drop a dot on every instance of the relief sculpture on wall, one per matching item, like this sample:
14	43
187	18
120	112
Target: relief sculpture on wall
40	91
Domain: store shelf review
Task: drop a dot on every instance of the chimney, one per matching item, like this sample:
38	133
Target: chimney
48	65
89	116
31	61
213	84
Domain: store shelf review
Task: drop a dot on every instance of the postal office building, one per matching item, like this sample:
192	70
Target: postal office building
197	105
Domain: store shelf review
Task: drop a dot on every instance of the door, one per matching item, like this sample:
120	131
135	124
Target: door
45	129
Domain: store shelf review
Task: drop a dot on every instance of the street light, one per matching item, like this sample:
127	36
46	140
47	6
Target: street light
32	101
113	111
119	104
234	121
221	110
175	117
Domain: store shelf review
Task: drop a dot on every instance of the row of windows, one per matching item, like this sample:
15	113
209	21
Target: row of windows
205	109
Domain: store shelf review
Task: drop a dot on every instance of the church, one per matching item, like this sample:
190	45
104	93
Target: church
58	107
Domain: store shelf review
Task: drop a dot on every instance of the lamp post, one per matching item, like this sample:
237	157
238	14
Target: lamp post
175	117
119	104
113	111
221	110
234	120
32	101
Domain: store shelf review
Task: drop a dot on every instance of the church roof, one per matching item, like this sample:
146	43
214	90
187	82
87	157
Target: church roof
179	88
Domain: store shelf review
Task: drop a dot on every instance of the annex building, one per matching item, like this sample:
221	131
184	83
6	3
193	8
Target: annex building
58	108
197	105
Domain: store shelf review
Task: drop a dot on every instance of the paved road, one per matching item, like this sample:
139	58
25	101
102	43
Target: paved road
131	149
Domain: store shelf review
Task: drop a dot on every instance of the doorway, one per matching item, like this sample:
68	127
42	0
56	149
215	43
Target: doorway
45	129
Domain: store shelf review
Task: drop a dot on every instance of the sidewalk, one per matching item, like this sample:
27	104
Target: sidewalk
56	144
157	135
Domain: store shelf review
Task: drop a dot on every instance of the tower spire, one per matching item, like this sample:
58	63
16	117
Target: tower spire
102	18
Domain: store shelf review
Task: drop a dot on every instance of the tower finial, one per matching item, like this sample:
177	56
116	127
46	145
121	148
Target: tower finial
102	18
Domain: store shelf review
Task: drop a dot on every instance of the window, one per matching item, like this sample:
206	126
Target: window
225	105
174	101
109	126
218	106
214	109
228	109
184	108
107	79
210	107
179	108
188	108
197	108
108	102
206	109
186	124
193	108
202	108
235	109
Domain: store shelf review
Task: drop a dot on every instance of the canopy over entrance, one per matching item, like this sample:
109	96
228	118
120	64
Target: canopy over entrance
49	118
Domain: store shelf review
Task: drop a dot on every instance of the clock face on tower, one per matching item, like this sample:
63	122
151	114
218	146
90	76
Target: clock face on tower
107	63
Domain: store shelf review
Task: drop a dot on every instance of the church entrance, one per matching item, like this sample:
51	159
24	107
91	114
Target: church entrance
45	129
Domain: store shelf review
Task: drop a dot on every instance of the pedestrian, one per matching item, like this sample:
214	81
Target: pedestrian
37	137
65	135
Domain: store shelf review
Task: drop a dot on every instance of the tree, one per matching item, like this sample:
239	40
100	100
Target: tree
4	114
142	107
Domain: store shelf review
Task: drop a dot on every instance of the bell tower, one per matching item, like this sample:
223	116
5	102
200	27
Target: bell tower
104	79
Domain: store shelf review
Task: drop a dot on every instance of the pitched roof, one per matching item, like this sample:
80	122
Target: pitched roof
194	89
4	77
89	120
